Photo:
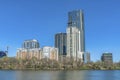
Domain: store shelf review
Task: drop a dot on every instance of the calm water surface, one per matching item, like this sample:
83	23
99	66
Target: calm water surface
60	75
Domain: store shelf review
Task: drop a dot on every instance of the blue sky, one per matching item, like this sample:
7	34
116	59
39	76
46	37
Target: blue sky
42	19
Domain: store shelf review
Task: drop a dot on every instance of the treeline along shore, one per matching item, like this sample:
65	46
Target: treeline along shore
7	63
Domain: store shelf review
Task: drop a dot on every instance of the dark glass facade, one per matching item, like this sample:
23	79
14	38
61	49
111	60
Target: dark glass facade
75	19
107	58
60	43
2	54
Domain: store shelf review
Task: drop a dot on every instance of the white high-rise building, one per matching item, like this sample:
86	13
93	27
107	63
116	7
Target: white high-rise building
75	35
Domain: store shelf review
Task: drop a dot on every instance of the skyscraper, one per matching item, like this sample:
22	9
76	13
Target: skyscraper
75	35
30	44
60	43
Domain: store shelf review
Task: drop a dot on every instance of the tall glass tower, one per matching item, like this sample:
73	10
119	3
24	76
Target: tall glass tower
75	35
60	43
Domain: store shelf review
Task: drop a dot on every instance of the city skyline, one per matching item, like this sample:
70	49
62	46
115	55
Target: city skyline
41	20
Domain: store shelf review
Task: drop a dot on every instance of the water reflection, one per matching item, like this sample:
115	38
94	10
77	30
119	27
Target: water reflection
69	75
50	75
60	75
103	75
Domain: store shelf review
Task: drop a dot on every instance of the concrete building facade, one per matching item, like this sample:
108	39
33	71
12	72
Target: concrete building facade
32	50
75	35
50	53
23	53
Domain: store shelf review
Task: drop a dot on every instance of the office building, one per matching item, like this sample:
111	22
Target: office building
107	58
60	43
30	44
75	35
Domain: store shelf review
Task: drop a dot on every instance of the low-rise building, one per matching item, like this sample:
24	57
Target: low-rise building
31	49
23	53
107	58
50	53
86	57
46	52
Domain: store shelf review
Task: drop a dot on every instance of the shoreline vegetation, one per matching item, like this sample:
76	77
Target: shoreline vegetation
7	63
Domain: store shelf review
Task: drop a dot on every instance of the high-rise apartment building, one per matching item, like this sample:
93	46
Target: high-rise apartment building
60	43
30	44
75	35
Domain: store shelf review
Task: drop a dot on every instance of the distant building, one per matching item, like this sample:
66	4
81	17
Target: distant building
38	53
87	57
30	44
60	43
50	53
75	35
23	53
30	49
107	58
2	54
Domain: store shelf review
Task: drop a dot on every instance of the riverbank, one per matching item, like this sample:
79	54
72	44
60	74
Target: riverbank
59	69
45	64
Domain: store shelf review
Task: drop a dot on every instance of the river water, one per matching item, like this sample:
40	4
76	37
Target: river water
61	75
